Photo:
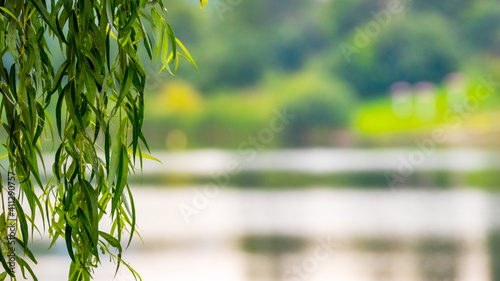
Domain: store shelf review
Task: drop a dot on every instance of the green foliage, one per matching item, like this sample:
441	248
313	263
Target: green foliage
322	104
411	49
98	92
426	41
483	28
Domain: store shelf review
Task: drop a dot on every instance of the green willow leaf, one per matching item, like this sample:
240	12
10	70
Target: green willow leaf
6	267
26	250
68	239
10	14
24	265
23	223
132	214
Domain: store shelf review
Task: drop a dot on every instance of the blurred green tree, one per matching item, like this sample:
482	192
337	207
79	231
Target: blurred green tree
321	104
412	49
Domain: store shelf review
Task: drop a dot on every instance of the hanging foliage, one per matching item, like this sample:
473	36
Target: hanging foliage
98	96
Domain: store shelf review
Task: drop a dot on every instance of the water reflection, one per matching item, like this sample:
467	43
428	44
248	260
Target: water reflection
314	234
266	252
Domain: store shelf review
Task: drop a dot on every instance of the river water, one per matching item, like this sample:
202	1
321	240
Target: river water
275	235
313	233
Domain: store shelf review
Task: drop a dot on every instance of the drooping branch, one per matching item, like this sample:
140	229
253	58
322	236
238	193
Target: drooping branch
98	96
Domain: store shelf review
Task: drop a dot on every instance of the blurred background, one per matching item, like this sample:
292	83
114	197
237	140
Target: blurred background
321	140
